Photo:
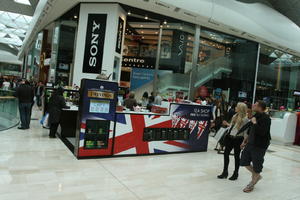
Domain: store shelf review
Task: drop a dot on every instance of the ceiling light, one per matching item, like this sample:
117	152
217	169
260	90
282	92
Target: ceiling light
146	17
165	22
180	27
25	2
75	16
168	26
129	12
142	32
156	32
141	25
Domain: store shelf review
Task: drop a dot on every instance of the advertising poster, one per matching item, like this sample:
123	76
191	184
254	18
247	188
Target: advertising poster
141	77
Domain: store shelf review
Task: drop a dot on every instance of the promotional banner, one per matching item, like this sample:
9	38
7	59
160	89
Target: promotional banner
140	77
176	62
94	43
120	35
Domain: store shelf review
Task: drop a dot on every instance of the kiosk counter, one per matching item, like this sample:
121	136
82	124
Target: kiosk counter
101	131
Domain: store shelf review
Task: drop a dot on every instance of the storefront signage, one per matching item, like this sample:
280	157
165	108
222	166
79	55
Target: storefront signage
141	77
100	94
120	35
138	62
94	43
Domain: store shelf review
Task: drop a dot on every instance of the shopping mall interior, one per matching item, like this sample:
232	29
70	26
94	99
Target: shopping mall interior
149	99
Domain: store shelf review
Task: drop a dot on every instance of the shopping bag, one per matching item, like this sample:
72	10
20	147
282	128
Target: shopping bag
220	133
44	120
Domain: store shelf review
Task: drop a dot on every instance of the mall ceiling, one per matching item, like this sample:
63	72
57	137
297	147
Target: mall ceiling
289	8
15	17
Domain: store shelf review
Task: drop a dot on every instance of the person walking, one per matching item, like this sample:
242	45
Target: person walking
234	139
39	90
256	144
56	104
25	94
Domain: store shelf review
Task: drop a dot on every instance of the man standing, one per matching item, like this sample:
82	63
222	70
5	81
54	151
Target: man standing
38	93
256	144
25	94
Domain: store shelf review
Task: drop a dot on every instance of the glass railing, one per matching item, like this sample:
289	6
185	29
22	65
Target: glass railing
9	115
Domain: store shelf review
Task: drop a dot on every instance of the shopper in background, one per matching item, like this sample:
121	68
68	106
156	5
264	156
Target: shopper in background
158	99
219	113
234	139
56	104
39	90
145	99
256	144
6	85
25	94
130	102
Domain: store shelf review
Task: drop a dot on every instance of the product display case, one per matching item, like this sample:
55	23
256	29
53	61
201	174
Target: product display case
283	126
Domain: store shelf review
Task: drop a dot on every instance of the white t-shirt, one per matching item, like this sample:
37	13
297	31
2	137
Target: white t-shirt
6	85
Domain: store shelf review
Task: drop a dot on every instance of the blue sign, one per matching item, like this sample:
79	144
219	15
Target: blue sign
141	77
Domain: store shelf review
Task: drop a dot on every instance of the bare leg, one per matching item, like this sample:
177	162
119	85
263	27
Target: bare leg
255	176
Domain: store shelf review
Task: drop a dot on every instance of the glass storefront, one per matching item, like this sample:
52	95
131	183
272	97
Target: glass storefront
277	79
193	62
226	66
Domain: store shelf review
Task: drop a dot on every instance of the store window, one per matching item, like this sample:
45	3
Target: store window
139	56
67	28
277	79
226	67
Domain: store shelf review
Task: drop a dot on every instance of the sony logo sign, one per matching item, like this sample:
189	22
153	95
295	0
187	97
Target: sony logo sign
94	44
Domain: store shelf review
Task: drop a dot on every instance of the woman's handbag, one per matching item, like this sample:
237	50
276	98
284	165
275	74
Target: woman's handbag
222	140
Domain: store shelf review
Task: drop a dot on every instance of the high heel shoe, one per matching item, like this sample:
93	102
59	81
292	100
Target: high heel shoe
234	177
223	175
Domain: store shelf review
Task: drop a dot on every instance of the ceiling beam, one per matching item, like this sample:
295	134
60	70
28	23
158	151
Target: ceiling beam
7	48
11	6
34	3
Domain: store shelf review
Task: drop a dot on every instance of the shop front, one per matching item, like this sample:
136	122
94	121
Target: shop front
168	64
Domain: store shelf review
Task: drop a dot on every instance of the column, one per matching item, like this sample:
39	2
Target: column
99	42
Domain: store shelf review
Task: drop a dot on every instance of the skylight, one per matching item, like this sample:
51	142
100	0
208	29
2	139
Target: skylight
25	2
13	28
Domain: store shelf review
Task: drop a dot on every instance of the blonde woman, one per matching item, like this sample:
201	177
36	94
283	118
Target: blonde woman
234	140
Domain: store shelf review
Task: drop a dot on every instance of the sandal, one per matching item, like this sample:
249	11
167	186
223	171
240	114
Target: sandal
249	188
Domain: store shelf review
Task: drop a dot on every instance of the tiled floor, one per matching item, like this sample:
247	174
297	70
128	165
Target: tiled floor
33	167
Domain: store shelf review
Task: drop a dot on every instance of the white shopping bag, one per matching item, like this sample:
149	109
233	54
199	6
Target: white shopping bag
220	133
45	120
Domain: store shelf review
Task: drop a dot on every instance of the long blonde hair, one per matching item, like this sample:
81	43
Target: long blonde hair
241	114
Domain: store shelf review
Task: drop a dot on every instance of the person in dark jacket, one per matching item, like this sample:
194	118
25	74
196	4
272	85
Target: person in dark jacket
56	104
256	144
25	94
39	90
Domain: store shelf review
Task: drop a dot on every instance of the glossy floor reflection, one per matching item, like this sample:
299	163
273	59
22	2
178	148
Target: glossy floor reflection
32	166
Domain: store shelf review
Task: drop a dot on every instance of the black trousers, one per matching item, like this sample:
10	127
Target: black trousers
235	144
38	100
53	129
25	114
